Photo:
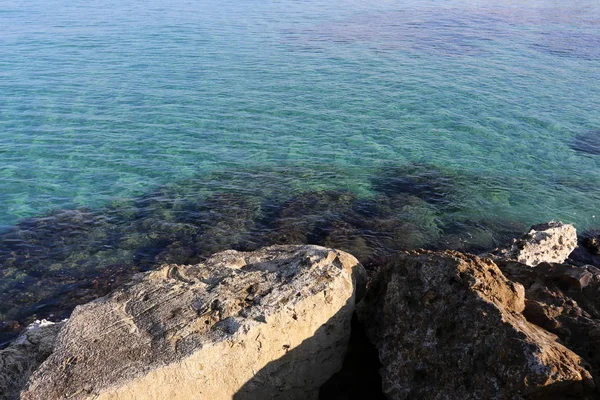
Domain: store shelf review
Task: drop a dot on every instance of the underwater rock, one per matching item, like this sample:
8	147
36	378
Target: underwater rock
449	325
424	181
270	324
549	242
402	222
46	257
370	229
347	237
300	219
227	221
588	142
475	237
52	263
376	228
24	355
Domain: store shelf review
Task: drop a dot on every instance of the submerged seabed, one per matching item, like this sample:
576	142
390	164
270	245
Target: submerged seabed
138	133
69	257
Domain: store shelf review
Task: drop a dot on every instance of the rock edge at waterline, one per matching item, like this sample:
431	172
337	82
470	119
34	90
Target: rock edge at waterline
270	324
274	324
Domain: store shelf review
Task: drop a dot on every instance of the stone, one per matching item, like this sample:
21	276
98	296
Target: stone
24	355
449	326
550	242
587	251
269	324
592	243
565	300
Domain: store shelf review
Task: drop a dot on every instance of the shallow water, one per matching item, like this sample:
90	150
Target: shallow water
166	132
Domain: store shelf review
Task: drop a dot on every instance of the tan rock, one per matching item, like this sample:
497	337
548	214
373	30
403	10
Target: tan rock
564	300
271	324
449	326
551	242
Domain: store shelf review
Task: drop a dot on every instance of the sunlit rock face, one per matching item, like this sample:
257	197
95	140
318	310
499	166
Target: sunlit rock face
270	324
450	325
549	242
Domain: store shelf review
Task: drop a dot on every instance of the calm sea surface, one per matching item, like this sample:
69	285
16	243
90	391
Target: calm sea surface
134	133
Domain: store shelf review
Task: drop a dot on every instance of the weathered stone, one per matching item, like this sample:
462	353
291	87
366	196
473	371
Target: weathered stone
24	355
270	324
592	243
564	300
449	326
551	242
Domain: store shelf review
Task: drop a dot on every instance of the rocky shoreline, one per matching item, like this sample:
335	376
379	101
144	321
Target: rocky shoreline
68	257
304	321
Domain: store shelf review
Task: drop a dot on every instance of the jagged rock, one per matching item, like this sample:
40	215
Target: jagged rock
564	300
449	326
587	251
24	355
592	242
550	242
270	324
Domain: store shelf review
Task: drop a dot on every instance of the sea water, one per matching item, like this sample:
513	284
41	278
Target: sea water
134	133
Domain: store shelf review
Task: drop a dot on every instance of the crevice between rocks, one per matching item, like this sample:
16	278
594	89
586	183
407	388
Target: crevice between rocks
359	377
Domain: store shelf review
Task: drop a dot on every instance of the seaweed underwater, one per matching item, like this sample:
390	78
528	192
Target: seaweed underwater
54	262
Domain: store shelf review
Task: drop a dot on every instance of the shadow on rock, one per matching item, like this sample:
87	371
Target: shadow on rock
424	181
300	373
69	257
359	377
587	251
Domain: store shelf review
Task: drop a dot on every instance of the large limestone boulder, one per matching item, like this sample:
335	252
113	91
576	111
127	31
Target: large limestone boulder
24	355
270	324
551	242
449	326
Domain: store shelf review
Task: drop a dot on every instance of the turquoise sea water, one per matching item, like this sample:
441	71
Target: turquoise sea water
131	116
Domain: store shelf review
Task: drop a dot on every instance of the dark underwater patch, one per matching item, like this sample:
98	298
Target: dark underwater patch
478	237
420	180
569	44
54	262
588	142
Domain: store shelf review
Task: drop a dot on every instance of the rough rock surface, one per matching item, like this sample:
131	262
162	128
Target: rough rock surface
587	251
24	355
449	326
549	242
564	300
592	243
270	324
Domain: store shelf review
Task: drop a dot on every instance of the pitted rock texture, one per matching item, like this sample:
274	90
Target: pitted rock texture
24	355
449	326
270	324
551	242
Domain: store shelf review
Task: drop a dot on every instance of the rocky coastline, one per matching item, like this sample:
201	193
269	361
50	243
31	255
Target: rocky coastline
309	322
